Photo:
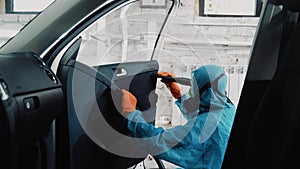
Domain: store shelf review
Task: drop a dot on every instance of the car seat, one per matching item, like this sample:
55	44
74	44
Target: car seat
267	136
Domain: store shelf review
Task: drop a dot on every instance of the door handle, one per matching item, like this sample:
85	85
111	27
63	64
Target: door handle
120	72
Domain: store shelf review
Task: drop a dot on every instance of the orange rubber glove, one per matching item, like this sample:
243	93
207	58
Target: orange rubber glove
128	102
172	86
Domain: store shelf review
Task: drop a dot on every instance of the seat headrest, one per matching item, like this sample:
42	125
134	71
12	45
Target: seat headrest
276	2
292	5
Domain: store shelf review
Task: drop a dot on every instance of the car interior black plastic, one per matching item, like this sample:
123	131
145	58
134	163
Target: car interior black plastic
5	139
35	99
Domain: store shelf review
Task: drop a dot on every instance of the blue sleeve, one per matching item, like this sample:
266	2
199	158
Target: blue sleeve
179	103
139	128
154	140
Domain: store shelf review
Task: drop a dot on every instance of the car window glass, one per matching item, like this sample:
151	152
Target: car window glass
128	33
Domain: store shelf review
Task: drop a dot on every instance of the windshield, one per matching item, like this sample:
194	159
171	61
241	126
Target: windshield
50	25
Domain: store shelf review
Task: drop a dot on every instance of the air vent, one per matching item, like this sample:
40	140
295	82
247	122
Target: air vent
40	61
3	91
51	75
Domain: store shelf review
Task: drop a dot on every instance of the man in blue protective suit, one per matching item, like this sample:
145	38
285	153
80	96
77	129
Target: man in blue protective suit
201	142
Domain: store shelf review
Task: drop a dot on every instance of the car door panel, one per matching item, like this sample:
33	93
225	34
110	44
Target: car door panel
93	100
137	77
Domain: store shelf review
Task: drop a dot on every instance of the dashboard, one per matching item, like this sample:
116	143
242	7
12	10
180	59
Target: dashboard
31	97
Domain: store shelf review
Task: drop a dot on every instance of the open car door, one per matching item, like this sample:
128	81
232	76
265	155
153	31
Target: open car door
93	105
93	70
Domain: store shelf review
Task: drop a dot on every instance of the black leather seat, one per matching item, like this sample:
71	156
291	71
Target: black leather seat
271	137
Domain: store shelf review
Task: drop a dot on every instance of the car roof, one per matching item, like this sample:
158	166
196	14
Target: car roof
50	25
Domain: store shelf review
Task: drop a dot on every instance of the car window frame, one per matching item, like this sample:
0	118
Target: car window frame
57	50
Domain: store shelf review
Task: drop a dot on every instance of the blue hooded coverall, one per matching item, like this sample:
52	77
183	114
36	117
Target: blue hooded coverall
202	141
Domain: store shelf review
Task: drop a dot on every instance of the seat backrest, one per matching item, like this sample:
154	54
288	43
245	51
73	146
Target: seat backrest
261	69
276	119
265	137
